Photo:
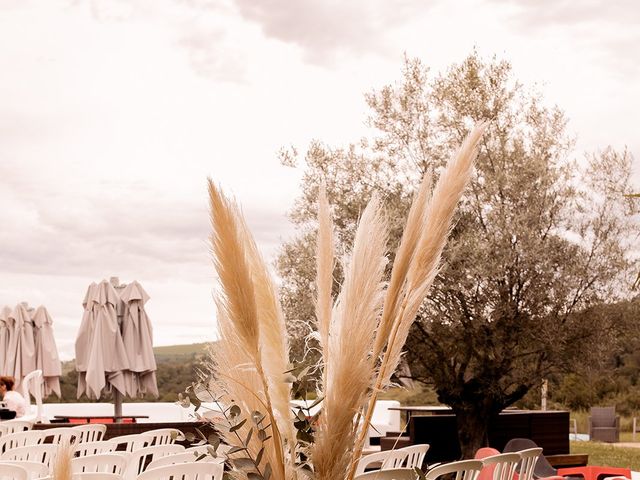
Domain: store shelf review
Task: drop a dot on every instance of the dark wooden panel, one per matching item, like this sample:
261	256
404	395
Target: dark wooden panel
550	430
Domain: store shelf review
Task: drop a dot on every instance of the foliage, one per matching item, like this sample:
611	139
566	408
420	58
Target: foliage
360	333
537	239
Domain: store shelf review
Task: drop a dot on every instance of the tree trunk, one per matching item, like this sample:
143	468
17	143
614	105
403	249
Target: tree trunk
473	427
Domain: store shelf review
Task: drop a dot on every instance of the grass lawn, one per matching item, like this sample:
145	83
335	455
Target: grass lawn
605	454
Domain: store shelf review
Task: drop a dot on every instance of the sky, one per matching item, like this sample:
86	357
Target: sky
113	114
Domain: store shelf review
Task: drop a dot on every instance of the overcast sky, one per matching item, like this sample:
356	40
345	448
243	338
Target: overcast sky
113	114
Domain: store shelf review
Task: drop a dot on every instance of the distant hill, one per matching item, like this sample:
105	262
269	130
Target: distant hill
177	368
175	350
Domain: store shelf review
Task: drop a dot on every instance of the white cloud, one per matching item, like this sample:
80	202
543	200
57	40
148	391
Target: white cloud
112	115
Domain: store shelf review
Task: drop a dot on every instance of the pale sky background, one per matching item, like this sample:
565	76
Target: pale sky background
113	113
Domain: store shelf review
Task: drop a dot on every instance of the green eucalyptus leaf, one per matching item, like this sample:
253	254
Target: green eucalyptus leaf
262	435
267	471
201	435
235	449
237	426
243	463
214	439
189	436
259	456
257	417
234	411
248	439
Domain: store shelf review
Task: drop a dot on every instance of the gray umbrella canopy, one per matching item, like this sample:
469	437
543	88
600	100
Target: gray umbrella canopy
4	339
114	346
137	335
101	358
47	358
21	358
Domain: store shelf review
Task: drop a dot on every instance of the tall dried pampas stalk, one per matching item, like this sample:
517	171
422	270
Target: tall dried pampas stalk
350	366
324	277
418	268
62	465
238	360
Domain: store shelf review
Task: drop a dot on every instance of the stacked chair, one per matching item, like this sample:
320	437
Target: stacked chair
489	464
30	454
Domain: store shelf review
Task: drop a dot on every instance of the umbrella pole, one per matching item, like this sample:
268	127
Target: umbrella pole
117	405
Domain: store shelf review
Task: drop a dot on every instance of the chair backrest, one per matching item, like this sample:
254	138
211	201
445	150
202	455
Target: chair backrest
14	426
94	448
10	471
528	460
463	470
19	439
91	476
185	471
502	466
34	470
387	459
183	457
32	385
415	455
103	462
90	432
164	436
133	442
58	435
141	457
487	471
542	468
31	453
389	474
603	416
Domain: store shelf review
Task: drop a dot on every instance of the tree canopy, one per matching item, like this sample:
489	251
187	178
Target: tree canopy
539	237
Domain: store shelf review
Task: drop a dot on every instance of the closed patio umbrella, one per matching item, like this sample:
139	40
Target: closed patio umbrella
137	335
4	339
101	358
21	358
47	358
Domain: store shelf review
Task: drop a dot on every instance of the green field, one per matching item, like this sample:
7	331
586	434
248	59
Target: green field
609	455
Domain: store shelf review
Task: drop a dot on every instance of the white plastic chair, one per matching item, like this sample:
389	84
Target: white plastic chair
43	453
58	435
35	470
528	460
104	462
134	441
90	432
142	456
91	476
389	474
19	439
32	385
185	471
165	436
504	465
10	471
14	426
388	459
94	448
463	470
415	455
183	457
